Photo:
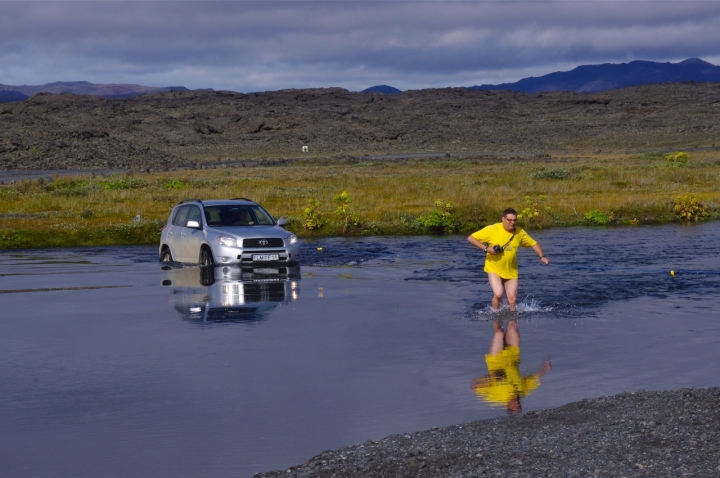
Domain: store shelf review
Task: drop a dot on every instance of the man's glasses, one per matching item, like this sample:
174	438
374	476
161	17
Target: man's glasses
510	220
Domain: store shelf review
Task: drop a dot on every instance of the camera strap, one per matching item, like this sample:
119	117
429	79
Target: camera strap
508	242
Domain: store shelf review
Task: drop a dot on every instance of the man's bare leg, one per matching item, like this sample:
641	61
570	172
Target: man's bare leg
511	290
512	336
496	284
498	340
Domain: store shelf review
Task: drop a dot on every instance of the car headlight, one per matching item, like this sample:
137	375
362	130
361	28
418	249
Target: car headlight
292	239
227	241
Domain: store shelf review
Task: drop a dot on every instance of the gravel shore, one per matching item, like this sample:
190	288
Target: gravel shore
657	434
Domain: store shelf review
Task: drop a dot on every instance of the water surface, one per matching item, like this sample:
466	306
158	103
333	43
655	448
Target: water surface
111	366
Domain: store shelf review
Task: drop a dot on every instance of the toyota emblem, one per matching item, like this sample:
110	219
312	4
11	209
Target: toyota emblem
263	242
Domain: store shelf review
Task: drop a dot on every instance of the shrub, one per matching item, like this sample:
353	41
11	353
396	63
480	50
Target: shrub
532	210
67	187
67	184
688	208
654	155
440	220
312	219
345	212
175	184
9	192
372	228
677	159
598	218
402	223
556	173
122	183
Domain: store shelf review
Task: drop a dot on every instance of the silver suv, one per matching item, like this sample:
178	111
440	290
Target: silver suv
227	232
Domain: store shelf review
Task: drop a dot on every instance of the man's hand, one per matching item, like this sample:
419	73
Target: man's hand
546	367
538	250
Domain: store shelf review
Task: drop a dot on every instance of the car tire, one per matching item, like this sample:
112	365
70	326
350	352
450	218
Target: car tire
207	276
166	255
206	257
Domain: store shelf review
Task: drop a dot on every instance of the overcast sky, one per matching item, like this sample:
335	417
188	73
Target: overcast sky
268	45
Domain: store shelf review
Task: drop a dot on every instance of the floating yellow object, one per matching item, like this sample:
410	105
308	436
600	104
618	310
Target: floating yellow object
319	248
672	273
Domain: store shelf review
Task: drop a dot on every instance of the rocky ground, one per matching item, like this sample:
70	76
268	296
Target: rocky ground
656	434
180	128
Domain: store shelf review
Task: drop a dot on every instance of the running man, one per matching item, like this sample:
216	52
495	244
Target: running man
500	243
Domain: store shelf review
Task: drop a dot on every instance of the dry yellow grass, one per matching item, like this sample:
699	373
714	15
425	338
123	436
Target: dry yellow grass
388	195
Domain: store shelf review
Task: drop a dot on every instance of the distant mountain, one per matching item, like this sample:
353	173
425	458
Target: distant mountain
7	96
608	76
388	90
87	88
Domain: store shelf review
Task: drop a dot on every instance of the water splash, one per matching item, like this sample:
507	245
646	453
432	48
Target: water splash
532	305
522	309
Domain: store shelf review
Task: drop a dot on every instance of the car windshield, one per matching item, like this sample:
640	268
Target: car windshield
224	215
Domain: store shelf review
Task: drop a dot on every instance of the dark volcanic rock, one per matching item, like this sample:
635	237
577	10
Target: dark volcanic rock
637	434
168	129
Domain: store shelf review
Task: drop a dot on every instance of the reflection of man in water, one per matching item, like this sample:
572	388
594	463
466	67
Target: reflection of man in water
504	385
500	243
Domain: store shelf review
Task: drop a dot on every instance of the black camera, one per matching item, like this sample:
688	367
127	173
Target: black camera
496	249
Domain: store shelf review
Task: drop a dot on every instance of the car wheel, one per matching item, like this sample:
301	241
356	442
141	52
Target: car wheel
207	276
206	257
166	255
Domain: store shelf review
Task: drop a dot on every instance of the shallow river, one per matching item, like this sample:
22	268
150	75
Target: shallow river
111	366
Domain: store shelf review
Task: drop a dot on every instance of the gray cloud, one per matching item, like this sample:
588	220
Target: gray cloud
254	46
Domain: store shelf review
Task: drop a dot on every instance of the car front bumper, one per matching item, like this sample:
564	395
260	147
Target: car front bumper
286	256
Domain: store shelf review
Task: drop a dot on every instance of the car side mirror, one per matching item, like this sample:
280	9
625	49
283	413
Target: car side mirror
193	225
282	222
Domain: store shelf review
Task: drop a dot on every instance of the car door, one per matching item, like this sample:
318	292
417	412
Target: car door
174	234
193	238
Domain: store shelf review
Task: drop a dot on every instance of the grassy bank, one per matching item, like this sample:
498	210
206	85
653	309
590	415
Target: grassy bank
398	197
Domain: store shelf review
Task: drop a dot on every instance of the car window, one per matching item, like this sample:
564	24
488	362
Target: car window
263	218
225	215
195	214
212	216
181	216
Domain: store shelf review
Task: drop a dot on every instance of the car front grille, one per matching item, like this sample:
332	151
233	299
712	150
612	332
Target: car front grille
257	243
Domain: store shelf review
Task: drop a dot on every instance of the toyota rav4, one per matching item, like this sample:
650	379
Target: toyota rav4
227	232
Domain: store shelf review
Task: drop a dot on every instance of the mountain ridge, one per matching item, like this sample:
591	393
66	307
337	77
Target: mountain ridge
384	89
110	90
611	76
581	79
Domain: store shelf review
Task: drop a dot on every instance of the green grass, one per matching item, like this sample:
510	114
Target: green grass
388	197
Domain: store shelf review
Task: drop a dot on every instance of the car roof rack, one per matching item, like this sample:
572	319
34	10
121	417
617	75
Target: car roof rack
189	200
242	199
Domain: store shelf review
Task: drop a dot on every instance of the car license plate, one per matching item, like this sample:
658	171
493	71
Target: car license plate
265	257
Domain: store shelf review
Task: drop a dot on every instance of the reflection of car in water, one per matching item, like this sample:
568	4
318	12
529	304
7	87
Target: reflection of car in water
229	294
